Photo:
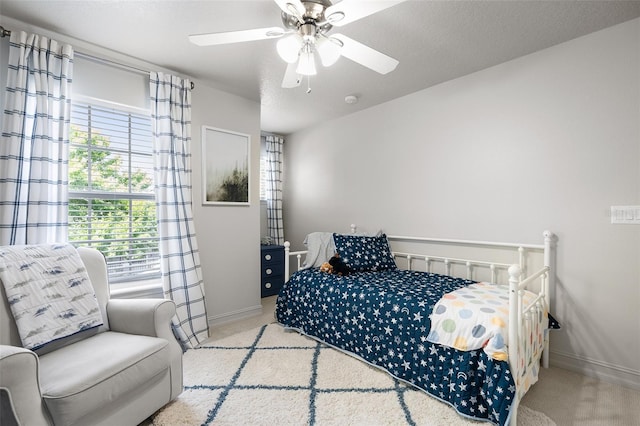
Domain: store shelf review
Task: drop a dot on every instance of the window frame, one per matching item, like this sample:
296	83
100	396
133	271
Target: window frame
126	282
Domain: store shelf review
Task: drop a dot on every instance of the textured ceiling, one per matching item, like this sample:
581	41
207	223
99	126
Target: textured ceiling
434	41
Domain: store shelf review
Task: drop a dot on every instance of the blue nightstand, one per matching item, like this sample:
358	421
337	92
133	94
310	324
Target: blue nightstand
272	269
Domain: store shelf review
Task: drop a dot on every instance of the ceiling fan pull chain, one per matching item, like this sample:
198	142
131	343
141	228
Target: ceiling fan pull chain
308	84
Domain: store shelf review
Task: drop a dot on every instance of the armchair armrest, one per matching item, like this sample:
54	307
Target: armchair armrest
149	317
21	388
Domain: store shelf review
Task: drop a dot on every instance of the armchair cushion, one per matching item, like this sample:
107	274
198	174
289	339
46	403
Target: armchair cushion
113	364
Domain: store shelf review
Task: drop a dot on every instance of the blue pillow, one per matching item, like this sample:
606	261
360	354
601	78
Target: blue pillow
363	253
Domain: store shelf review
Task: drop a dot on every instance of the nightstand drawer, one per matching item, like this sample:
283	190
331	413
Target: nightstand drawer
272	270
271	286
271	258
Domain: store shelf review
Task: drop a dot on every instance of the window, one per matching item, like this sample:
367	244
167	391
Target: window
263	178
264	164
111	199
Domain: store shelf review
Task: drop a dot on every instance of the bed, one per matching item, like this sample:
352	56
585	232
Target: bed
469	332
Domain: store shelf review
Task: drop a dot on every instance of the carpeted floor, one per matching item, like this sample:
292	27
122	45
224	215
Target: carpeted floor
268	376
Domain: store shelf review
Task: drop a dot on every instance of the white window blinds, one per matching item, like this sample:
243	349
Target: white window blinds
111	199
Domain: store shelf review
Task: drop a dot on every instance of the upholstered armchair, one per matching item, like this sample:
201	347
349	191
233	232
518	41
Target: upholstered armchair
118	373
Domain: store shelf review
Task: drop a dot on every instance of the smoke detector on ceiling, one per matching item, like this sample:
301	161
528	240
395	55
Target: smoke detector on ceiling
351	99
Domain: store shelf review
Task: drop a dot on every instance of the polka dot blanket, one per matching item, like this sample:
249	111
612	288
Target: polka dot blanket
476	317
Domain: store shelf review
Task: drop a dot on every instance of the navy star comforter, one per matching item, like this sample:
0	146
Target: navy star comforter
383	317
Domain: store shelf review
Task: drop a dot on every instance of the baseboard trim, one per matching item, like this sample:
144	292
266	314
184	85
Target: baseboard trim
240	314
601	370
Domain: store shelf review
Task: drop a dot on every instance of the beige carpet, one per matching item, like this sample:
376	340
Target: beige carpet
269	376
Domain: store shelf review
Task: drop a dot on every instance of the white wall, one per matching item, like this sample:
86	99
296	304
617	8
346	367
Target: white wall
228	237
548	141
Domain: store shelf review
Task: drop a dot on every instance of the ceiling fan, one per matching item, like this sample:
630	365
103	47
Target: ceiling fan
306	27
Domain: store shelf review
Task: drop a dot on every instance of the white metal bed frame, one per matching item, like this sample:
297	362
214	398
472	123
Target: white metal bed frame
520	323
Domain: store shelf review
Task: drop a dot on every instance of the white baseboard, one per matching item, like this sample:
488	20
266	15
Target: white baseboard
601	370
240	314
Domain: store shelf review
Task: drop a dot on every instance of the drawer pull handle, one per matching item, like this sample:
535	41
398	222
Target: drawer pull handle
267	257
268	285
269	271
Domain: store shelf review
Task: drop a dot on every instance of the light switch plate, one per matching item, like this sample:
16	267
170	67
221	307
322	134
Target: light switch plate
629	215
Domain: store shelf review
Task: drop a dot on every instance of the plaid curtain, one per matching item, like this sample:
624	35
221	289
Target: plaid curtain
180	260
274	189
34	153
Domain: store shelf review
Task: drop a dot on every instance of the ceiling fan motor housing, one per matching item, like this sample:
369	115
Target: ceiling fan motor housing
313	16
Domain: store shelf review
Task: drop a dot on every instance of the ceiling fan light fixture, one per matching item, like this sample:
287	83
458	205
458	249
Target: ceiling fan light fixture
306	63
289	48
329	50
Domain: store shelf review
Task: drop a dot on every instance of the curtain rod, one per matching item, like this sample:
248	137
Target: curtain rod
264	133
6	33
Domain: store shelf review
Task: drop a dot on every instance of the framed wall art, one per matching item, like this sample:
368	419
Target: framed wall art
225	167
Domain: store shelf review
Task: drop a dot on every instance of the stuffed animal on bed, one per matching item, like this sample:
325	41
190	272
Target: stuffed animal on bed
326	267
338	265
335	265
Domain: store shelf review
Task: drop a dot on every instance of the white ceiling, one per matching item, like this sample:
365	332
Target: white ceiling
434	41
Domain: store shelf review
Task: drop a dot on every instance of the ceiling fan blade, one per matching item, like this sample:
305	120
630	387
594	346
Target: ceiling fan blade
348	11
292	7
236	36
365	55
291	77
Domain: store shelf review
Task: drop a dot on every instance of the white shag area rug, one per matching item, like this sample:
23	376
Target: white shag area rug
270	376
